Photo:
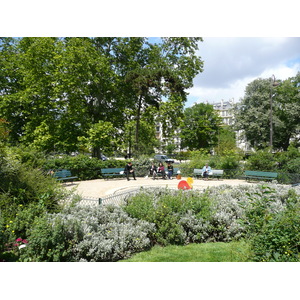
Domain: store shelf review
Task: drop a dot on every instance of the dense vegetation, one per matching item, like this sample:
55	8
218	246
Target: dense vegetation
97	94
104	95
266	216
35	214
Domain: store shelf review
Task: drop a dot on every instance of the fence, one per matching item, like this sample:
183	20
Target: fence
116	199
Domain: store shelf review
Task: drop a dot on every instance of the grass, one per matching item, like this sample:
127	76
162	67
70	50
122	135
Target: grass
209	252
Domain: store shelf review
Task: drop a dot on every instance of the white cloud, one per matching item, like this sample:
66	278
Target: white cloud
231	63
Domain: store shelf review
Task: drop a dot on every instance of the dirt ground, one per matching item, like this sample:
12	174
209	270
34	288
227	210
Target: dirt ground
100	188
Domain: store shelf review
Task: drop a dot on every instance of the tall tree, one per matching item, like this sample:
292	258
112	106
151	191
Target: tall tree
162	70
253	113
53	90
288	112
200	127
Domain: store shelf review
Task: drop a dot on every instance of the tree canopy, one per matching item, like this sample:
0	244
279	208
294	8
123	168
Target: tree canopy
253	113
54	91
201	127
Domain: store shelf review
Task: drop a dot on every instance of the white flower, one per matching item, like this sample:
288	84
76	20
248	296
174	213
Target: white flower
22	246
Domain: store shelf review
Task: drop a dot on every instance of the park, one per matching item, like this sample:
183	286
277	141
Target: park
75	112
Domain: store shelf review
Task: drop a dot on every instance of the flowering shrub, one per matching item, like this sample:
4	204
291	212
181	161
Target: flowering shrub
10	251
266	215
222	213
87	234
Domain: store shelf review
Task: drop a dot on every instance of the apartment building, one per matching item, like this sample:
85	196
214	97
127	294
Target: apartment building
224	108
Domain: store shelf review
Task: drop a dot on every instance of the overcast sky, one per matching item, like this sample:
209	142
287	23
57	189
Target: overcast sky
231	63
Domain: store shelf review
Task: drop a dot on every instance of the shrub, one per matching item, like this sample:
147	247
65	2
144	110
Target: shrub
198	159
141	165
261	160
166	209
87	234
279	238
82	166
22	185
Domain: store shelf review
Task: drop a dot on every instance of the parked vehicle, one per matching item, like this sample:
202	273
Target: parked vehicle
163	158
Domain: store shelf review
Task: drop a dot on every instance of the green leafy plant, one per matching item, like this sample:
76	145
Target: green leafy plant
279	233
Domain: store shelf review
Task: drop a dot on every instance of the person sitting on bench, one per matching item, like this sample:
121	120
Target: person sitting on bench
129	170
153	171
206	170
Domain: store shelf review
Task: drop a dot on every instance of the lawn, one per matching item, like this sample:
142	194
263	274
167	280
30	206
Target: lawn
207	252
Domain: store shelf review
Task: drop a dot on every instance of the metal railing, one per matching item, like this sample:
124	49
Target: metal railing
115	199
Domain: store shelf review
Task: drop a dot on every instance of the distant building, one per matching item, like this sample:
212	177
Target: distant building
175	139
224	108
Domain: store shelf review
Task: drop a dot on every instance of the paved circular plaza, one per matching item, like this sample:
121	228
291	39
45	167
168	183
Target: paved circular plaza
99	188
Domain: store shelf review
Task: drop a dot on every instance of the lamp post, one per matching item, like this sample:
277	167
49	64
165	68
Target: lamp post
273	83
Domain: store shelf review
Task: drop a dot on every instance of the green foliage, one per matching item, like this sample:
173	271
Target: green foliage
24	218
101	135
166	210
21	184
56	90
262	160
83	166
267	216
86	234
28	156
25	193
252	114
197	160
229	161
200	127
142	165
226	140
274	235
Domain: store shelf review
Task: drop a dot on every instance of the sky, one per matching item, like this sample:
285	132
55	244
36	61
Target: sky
232	63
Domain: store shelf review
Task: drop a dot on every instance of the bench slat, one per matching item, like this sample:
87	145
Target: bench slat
112	172
64	175
213	173
260	175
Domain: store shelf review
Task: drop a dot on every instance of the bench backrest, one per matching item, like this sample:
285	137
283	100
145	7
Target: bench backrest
217	172
261	173
62	174
112	170
198	171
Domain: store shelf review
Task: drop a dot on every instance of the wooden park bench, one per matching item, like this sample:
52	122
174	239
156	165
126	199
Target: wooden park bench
64	175
213	173
259	175
113	172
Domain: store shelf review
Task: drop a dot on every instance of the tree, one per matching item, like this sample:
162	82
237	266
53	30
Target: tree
53	90
101	138
252	114
162	70
226	140
288	112
200	127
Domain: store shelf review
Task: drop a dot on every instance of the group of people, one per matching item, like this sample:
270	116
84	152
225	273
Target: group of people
166	173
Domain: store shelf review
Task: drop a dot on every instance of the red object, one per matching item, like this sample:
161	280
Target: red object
183	185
